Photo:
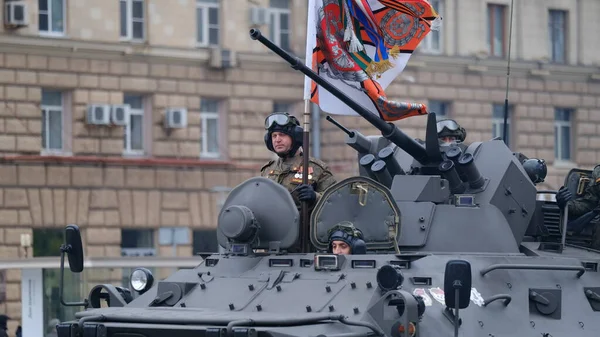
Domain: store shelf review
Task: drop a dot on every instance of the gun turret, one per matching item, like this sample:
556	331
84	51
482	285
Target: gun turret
388	130
355	139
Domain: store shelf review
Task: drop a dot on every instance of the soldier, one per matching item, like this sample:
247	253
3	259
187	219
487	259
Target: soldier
346	239
589	201
284	138
450	132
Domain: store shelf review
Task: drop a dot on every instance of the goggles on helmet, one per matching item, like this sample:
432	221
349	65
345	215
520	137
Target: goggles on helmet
277	118
448	124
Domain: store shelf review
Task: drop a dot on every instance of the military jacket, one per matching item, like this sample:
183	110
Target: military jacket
288	172
587	202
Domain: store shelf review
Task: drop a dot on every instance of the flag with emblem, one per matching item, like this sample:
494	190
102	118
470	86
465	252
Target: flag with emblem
360	47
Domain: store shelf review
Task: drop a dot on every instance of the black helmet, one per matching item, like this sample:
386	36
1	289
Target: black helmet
346	232
284	123
449	128
536	169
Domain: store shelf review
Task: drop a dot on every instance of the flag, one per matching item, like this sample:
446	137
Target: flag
360	47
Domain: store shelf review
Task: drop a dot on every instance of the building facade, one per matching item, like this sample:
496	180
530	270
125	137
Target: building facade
133	118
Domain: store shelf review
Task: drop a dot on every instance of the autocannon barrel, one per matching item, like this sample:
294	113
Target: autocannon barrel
388	130
355	139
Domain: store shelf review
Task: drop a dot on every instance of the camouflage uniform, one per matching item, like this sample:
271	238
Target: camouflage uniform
589	201
288	172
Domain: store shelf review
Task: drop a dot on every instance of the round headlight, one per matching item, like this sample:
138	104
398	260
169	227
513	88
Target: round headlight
141	279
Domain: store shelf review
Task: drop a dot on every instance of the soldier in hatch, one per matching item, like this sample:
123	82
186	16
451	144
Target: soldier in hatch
589	201
345	239
284	138
449	132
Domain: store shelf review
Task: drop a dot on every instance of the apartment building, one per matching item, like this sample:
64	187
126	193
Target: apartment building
133	118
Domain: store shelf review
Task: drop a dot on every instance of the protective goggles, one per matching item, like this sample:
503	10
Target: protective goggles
448	124
277	118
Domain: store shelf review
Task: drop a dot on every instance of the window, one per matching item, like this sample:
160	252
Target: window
496	38
433	41
281	107
562	133
133	140
207	25
137	242
209	119
52	120
498	122
441	108
557	27
51	16
132	20
205	241
280	23
47	242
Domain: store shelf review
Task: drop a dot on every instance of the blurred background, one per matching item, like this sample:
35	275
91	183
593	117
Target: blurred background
134	118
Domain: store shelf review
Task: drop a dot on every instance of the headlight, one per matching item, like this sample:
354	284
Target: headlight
141	280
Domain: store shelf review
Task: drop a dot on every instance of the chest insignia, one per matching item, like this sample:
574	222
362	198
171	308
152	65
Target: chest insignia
298	175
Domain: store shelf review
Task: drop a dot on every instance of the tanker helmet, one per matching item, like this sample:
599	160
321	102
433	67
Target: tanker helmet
352	236
449	128
536	170
596	175
284	123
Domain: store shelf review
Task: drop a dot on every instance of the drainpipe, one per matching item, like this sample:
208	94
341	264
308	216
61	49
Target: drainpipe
315	130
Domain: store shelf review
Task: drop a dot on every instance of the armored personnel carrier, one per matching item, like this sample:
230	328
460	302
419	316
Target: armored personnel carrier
458	243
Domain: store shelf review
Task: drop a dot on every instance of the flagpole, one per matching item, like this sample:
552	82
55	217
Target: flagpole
310	43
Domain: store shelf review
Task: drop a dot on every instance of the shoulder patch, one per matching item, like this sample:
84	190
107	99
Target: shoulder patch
267	165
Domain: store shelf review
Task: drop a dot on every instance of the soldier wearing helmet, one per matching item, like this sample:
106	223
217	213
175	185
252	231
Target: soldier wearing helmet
284	138
589	201
345	239
449	132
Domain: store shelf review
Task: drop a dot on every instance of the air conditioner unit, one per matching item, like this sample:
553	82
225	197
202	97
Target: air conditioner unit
175	118
98	114
223	58
259	16
119	114
15	14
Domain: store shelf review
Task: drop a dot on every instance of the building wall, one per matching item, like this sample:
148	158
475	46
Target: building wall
95	183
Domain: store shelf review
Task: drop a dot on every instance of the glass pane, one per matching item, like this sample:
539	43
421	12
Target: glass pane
213	16
209	1
43	5
284	22
123	18
138	10
137	238
136	132
213	36
43	18
44	132
279	4
435	39
272	26
498	111
556	136
134	101
565	143
212	132
55	132
285	41
209	105
200	24
51	97
138	30
498	32
280	107
57	16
